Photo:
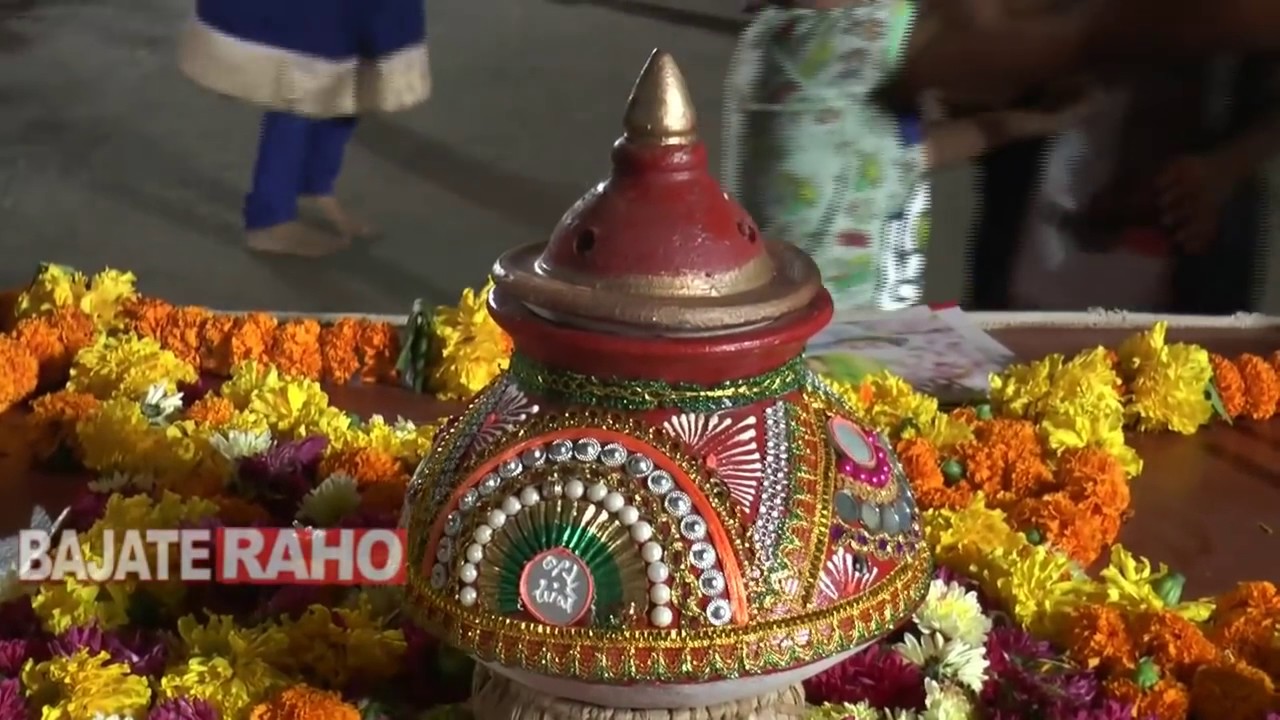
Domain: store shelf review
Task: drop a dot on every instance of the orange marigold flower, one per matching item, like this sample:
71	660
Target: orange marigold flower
1175	643
1096	636
379	350
295	349
55	339
383	497
1226	377
303	702
366	465
251	337
1167	699
1261	386
215	344
340	350
237	512
75	328
1123	689
1006	462
19	373
1094	483
146	316
1254	595
211	410
922	465
1059	519
184	333
965	414
1274	361
1229	689
53	420
42	341
1093	475
1246	633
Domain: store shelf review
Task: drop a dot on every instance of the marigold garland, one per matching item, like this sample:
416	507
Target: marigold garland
1078	506
1018	495
53	419
1230	385
21	374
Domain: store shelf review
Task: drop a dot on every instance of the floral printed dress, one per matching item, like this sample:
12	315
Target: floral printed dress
816	160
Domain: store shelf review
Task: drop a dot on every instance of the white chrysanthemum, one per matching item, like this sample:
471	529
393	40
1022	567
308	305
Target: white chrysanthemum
946	702
330	501
953	612
237	444
120	481
159	404
945	659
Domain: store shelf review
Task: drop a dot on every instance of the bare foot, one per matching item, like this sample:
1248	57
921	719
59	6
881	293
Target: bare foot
344	223
293	238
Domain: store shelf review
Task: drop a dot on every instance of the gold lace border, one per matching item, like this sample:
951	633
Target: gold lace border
635	656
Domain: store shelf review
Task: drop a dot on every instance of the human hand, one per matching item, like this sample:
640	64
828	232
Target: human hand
1190	193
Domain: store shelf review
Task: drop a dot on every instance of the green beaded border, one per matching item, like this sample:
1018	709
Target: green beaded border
641	395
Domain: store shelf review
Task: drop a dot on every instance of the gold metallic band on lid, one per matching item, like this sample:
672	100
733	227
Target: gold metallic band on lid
755	274
793	285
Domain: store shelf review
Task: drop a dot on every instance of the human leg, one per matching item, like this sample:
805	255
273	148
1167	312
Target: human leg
271	207
326	145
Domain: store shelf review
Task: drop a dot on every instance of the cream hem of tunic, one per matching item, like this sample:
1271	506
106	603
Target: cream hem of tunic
301	84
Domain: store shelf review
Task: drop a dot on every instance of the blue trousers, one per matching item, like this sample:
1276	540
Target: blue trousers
297	157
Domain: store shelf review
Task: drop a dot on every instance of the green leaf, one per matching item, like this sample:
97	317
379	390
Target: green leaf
415	347
1169	588
1147	673
1215	399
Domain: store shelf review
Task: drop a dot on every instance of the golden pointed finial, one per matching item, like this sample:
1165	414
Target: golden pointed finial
660	110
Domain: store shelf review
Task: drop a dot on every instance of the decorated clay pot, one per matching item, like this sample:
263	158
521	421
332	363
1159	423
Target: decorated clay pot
659	505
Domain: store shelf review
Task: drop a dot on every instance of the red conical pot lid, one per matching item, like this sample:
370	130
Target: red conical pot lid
658	246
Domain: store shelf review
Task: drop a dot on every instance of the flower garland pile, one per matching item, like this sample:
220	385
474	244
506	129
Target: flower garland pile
1018	496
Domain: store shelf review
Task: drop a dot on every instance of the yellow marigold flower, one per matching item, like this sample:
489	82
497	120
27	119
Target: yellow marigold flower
1142	348
126	366
337	645
71	603
55	286
1020	390
296	408
107	292
230	666
247	379
81	686
473	350
1168	391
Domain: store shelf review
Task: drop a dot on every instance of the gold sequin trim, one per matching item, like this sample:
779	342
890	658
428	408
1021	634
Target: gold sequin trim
676	656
